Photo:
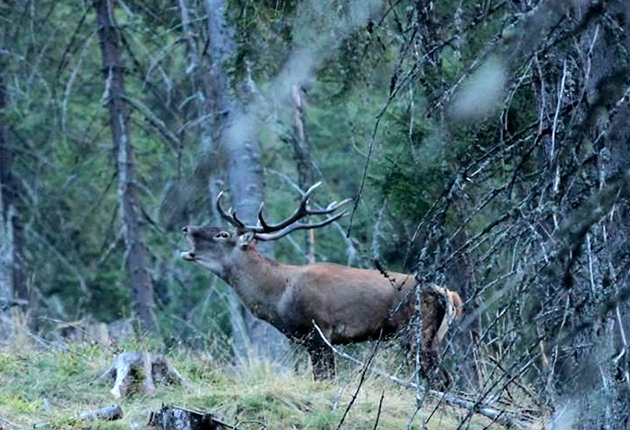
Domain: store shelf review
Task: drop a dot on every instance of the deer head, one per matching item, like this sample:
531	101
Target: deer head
214	248
219	249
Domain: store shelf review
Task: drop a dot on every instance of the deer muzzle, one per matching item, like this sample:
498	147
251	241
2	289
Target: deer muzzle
188	255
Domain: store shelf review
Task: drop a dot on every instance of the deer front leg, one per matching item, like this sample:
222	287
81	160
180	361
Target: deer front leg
322	356
323	361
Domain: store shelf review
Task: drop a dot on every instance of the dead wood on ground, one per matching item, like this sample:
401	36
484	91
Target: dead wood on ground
175	418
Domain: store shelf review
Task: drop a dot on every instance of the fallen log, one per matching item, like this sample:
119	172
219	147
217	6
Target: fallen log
175	418
110	413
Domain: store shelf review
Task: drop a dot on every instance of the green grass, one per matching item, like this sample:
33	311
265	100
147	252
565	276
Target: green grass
50	386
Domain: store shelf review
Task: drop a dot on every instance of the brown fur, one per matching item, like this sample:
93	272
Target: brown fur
348	304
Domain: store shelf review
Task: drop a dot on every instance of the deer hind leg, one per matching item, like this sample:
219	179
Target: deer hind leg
434	372
433	313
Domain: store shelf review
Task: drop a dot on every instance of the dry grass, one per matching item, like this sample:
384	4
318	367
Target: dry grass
47	387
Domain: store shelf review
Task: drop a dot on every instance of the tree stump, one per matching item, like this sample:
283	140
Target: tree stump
143	369
174	418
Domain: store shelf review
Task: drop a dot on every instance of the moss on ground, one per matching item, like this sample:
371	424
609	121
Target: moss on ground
49	386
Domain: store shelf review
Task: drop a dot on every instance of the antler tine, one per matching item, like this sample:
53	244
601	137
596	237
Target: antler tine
261	219
229	216
222	212
238	223
310	190
301	211
263	229
298	226
329	209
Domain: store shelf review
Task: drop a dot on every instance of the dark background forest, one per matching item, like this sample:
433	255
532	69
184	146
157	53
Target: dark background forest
485	145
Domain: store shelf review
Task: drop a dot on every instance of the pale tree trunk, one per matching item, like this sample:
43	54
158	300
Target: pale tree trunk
302	156
201	78
241	147
6	289
139	278
13	289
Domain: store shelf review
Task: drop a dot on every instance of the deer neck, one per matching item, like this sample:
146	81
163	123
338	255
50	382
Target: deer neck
259	283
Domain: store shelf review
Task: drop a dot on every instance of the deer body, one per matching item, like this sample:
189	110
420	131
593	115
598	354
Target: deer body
348	304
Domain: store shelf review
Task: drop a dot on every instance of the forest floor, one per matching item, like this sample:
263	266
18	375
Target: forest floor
48	387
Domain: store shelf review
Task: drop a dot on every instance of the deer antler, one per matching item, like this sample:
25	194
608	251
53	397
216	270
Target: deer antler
263	230
229	217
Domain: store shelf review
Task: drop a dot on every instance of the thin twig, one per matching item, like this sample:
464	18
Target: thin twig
502	417
378	412
363	373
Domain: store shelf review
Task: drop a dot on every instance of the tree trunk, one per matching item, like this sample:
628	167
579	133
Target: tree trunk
12	277
139	279
302	156
6	208
206	101
239	143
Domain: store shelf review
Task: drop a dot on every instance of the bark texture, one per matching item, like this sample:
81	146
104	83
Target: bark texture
139	278
303	160
174	418
205	80
241	148
109	413
13	288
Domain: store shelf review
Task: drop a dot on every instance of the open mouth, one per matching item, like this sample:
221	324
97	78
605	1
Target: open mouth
188	255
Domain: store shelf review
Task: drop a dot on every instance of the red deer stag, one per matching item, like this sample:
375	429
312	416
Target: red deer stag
347	304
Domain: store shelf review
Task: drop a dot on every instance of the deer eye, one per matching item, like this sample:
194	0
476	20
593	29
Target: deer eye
222	235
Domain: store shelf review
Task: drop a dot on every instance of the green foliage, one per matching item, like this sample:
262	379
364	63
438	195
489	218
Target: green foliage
379	108
263	36
66	162
402	182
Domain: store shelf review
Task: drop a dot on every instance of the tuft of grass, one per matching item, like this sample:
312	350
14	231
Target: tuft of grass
51	387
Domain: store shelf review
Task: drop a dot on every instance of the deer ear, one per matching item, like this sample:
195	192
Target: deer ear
245	238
